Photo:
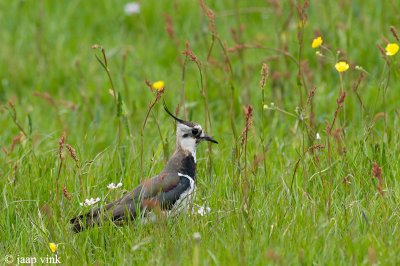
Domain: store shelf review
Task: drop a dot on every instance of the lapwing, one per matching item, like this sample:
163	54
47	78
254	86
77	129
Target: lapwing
171	191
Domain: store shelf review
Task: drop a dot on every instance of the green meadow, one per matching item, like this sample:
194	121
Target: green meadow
306	171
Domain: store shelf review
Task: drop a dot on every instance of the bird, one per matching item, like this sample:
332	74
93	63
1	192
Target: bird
171	191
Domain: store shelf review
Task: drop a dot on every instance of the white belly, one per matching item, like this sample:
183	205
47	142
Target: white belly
186	198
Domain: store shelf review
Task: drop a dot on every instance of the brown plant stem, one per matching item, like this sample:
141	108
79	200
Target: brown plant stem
104	64
151	105
61	160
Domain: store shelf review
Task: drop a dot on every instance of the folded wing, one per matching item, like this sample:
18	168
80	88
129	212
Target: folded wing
161	192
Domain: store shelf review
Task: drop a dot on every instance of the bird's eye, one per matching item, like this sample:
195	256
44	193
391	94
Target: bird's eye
195	131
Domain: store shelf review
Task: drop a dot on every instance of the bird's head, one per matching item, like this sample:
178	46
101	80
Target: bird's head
189	134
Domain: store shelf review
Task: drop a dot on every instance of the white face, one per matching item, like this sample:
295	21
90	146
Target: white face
186	137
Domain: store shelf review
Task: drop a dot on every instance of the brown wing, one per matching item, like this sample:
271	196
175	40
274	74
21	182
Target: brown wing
146	195
150	194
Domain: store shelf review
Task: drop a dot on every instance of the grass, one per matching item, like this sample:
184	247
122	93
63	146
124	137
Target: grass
277	195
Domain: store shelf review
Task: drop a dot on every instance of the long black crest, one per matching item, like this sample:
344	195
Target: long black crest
168	112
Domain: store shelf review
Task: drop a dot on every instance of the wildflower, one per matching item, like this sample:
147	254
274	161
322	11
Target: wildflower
158	85
392	49
197	236
317	42
203	210
317	137
265	106
318	53
53	247
132	8
113	186
90	202
341	66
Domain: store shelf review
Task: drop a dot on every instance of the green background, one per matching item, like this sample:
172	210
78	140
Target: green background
273	200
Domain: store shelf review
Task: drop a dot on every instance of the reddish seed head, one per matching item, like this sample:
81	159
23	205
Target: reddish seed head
72	152
66	193
61	146
394	32
311	94
189	53
341	98
249	115
264	75
169	27
380	48
376	170
210	15
377	173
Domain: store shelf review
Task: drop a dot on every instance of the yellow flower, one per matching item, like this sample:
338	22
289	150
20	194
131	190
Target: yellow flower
317	42
158	85
392	49
53	247
341	66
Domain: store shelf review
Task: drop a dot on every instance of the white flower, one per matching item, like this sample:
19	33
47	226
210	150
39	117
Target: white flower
197	236
132	8
360	68
203	210
90	202
318	137
113	186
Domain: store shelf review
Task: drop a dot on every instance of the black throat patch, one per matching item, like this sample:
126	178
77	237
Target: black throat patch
188	166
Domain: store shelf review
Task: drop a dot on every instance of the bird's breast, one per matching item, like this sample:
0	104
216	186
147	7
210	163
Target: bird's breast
188	166
184	201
